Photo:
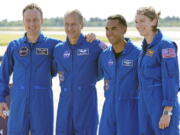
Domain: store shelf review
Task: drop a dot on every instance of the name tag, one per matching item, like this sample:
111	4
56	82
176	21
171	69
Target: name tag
128	63
81	52
42	51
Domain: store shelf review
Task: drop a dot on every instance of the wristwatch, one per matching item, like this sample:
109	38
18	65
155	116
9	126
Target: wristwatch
165	112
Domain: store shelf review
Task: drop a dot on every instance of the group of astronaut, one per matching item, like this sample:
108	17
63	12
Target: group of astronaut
140	86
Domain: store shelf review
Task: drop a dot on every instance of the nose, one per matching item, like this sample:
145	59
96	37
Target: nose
108	32
69	27
31	23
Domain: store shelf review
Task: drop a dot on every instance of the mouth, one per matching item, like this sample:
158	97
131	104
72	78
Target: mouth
110	38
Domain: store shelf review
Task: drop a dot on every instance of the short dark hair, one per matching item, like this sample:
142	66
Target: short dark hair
33	6
120	18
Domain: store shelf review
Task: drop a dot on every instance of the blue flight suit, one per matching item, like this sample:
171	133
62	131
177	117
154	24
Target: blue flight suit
78	73
159	82
31	107
120	110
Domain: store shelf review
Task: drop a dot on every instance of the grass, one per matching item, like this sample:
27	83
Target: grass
6	38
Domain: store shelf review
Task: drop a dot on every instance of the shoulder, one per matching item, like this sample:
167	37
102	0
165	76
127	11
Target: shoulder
167	43
59	46
52	41
106	52
98	44
134	49
15	43
168	48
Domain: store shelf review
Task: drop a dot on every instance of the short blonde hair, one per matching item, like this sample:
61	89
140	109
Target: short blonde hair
149	12
76	12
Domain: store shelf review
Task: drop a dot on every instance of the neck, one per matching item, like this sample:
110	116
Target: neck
32	38
73	41
119	47
150	36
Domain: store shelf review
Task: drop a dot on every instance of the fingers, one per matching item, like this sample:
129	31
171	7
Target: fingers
164	121
90	37
6	107
163	125
3	110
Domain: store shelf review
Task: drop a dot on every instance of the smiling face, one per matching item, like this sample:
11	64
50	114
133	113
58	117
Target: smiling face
33	21
73	26
144	24
114	31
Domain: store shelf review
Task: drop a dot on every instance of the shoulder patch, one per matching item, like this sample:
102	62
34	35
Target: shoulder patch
168	53
102	45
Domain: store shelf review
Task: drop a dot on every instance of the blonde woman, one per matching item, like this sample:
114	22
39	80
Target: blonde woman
158	75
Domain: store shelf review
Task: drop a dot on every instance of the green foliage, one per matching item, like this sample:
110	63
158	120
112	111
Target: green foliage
92	22
53	22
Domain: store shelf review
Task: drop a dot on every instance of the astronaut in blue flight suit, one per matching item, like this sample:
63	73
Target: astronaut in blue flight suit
159	78
29	59
77	62
118	65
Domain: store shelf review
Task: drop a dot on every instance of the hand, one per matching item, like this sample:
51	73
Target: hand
164	121
90	37
3	107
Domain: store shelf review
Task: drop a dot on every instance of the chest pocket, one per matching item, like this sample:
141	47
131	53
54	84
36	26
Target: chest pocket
152	66
21	56
126	66
41	56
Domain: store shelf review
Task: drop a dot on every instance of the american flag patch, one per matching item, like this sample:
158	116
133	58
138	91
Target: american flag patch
168	53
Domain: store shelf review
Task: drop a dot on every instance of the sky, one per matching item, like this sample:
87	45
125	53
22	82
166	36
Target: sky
12	9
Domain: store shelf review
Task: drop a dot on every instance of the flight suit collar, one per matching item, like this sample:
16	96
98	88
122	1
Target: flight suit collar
40	39
127	48
155	41
79	42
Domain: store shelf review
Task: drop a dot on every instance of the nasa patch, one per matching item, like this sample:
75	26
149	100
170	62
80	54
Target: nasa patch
110	62
66	54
